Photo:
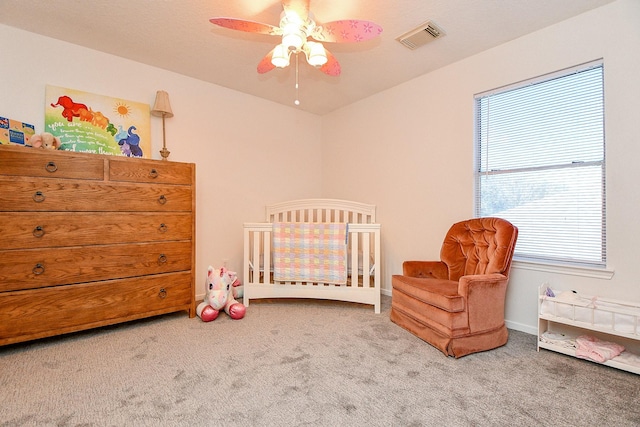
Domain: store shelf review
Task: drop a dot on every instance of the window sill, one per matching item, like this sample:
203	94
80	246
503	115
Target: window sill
597	273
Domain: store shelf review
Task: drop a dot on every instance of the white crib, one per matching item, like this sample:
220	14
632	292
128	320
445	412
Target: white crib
363	252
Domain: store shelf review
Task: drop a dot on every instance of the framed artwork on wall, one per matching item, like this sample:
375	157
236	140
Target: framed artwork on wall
15	132
91	123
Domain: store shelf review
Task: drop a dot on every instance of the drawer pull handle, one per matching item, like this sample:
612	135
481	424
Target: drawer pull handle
38	231
153	173
38	197
162	259
162	199
163	228
163	293
38	269
51	167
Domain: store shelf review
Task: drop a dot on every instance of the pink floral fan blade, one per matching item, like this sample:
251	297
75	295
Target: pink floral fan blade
332	66
300	7
346	31
265	64
246	26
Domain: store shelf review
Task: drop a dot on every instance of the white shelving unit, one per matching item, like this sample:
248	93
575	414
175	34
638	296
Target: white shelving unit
606	319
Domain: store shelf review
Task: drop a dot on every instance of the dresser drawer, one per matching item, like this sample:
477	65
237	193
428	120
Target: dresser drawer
137	170
83	196
39	268
29	230
41	163
31	314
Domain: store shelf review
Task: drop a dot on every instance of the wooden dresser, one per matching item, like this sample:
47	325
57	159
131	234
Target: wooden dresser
90	240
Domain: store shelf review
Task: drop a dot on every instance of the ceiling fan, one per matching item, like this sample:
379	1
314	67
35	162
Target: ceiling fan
297	27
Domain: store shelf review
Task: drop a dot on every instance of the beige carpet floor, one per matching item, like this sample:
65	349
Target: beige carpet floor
299	363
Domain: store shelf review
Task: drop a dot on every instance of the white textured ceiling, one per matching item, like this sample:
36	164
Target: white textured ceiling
176	35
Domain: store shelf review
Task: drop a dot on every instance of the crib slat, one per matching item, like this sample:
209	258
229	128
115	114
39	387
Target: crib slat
366	248
267	257
354	259
246	274
256	256
376	262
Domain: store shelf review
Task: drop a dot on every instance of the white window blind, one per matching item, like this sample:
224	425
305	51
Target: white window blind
540	163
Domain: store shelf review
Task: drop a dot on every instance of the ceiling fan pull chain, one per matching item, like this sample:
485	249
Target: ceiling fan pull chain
297	101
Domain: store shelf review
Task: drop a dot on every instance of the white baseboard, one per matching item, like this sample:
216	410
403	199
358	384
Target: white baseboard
521	327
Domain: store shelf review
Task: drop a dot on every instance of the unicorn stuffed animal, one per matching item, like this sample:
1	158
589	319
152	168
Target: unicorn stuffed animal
220	296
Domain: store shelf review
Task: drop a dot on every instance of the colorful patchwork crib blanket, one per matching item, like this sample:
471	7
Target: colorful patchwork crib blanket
310	252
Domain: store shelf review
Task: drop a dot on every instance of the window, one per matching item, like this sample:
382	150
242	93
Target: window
540	163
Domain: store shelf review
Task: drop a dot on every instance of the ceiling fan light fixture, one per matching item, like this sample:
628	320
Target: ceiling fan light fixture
316	55
280	57
297	26
293	37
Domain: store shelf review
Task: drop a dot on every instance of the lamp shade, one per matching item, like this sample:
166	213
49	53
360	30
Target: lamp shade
316	54
280	56
161	107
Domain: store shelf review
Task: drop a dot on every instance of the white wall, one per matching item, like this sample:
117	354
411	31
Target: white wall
242	164
414	145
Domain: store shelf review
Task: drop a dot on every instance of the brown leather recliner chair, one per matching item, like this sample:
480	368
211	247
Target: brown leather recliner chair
457	304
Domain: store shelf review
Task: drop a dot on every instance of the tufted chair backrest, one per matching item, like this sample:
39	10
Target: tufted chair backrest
479	246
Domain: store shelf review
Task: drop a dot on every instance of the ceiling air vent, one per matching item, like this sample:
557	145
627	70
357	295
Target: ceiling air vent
422	35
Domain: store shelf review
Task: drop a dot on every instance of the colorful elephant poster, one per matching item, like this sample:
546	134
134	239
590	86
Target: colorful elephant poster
91	123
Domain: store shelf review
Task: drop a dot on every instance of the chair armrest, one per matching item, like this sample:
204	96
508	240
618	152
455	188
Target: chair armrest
485	298
478	281
427	269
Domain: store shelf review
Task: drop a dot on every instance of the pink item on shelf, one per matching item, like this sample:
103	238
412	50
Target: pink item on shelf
589	347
